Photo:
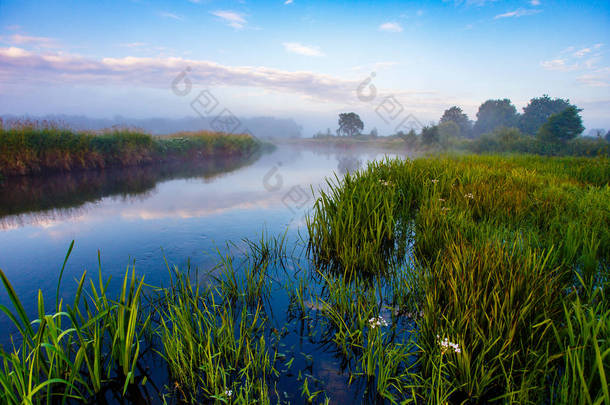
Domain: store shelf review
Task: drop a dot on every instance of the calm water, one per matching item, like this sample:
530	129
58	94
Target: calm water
144	215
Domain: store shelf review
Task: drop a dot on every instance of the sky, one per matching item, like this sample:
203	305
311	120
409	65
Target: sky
391	62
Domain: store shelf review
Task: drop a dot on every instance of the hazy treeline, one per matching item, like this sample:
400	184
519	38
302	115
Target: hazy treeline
546	126
262	127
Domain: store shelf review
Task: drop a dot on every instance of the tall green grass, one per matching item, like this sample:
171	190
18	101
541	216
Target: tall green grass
31	147
504	249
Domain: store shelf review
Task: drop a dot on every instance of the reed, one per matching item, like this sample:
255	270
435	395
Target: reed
41	147
501	249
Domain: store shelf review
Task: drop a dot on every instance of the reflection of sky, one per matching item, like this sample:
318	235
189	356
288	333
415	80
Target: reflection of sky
179	219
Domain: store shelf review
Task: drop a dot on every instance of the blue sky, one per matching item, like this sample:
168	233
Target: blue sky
302	59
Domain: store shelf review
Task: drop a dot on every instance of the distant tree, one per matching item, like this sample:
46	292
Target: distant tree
508	135
562	126
328	132
449	129
430	135
597	132
455	114
410	138
608	136
493	114
350	124
374	133
538	111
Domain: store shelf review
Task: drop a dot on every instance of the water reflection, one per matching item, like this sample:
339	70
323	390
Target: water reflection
59	197
150	214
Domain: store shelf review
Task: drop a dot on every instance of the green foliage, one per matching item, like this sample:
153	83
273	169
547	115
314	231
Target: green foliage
455	115
497	246
538	111
562	126
431	135
493	114
448	131
27	148
509	140
350	124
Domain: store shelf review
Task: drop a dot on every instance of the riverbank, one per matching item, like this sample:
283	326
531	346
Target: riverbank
32	148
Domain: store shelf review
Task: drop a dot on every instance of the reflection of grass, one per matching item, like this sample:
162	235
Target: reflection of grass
28	147
69	190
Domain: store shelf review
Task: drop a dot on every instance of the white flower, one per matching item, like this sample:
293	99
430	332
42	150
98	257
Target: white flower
229	393
434	181
375	322
385	182
469	195
446	345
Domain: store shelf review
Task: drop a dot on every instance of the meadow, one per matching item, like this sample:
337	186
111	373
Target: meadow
451	279
42	147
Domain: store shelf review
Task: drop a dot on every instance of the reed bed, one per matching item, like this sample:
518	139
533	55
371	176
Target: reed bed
33	147
510	256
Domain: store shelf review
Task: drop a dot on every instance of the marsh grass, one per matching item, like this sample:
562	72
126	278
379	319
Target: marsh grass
504	250
36	147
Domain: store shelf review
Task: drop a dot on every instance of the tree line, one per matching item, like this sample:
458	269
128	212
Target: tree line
544	119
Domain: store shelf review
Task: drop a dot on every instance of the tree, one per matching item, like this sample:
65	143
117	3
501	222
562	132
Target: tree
562	126
374	133
409	138
430	135
448	130
455	114
608	136
493	114
350	124
538	111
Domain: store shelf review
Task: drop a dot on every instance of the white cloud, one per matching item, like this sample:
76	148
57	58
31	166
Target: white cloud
590	73
535	2
288	2
559	65
390	27
596	78
134	44
41	42
17	64
582	52
520	12
301	49
231	18
173	16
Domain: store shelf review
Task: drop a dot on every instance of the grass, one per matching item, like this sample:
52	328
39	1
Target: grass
31	147
504	249
453	280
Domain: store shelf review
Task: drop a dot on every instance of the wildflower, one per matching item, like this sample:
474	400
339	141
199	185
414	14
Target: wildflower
434	181
441	199
469	195
229	393
384	182
375	322
446	345
445	209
